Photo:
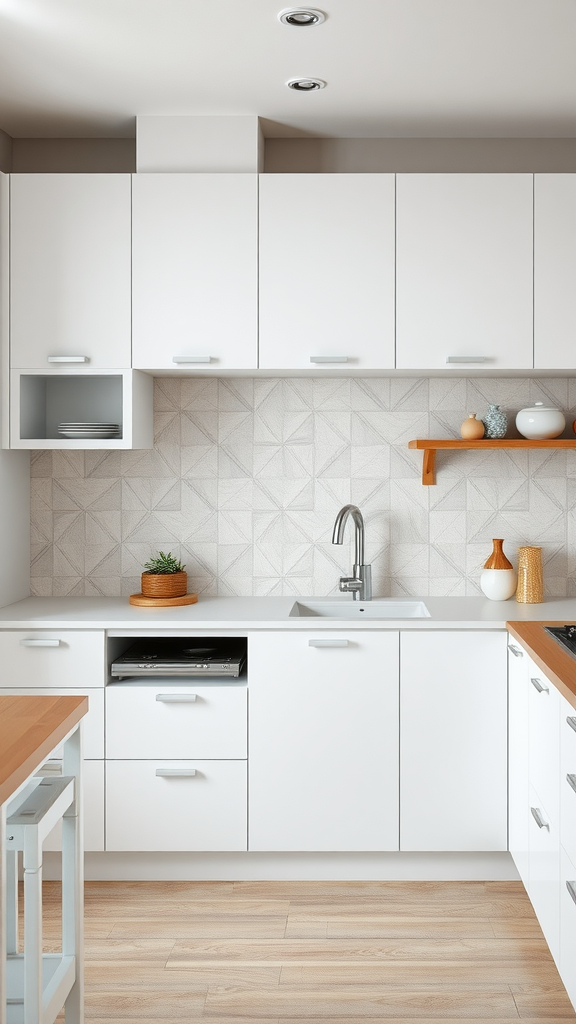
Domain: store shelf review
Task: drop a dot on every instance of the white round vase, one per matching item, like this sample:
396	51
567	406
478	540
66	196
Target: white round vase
498	584
540	423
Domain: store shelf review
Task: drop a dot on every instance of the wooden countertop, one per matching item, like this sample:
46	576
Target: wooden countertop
30	729
558	665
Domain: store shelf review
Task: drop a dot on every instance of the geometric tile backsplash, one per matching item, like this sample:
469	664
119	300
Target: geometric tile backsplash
247	475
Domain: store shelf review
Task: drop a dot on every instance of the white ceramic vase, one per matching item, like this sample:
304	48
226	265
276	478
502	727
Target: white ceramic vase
498	584
540	423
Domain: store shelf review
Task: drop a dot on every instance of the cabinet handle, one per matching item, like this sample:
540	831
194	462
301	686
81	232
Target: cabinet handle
537	815
571	886
516	651
328	643
191	359
40	643
68	359
175	773
466	359
537	684
176	698
571	722
571	780
328	359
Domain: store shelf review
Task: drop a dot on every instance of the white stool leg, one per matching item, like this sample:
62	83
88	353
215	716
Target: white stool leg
11	916
32	927
73	884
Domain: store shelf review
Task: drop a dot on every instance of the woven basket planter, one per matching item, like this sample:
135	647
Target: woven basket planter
174	584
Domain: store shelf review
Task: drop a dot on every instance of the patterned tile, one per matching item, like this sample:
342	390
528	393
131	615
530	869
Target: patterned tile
247	475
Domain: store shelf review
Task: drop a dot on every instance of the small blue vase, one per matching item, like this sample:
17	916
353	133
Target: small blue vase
495	422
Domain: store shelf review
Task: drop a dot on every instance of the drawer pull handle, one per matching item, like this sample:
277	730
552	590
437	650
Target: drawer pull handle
40	643
328	643
466	359
538	685
537	815
175	773
68	359
571	722
191	359
516	651
328	359
571	780
176	698
571	886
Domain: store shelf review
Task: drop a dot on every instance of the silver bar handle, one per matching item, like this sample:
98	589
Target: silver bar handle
537	815
328	643
571	886
40	643
175	773
467	359
571	722
516	651
176	698
538	685
571	780
68	359
328	359
191	359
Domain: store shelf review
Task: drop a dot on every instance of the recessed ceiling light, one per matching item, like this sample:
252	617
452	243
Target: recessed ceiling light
305	84
301	17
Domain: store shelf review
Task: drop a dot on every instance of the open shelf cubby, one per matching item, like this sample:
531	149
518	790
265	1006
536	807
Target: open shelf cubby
430	447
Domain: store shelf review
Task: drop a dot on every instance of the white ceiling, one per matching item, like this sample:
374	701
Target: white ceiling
394	68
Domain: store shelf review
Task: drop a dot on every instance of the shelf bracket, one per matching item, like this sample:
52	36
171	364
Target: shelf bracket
428	466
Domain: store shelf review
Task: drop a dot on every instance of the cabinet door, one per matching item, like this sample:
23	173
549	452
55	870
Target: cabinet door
554	270
453	743
567	964
323	741
518	763
544	731
194	271
545	872
70	269
326	270
464	270
60	657
568	778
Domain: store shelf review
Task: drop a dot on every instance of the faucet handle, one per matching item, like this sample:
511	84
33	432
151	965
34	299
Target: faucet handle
350	584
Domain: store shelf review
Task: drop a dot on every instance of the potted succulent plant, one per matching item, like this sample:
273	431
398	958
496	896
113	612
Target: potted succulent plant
164	576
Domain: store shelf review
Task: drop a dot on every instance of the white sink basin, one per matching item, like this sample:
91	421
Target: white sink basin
384	609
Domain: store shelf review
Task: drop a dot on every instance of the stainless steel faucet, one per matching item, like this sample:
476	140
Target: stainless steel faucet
360	584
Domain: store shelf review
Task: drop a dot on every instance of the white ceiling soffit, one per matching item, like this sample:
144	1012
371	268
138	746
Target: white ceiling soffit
393	68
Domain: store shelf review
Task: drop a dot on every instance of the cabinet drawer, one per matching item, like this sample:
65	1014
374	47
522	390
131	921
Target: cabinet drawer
93	797
568	778
543	715
92	725
545	872
42	657
149	811
176	720
567	965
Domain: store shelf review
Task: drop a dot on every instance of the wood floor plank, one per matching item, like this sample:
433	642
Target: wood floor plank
400	926
144	909
120	950
417	974
195	927
144	1005
102	977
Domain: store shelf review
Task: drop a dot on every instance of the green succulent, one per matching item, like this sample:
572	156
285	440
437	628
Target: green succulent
164	565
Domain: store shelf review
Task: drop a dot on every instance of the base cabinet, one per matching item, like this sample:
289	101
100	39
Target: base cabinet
567	964
545	872
323	741
518	765
453	744
176	805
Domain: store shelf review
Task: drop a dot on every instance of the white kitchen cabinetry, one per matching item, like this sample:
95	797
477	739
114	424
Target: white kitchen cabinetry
518	760
568	778
323	741
544	889
194	271
554	270
567	964
544	739
464	264
326	271
70	270
453	742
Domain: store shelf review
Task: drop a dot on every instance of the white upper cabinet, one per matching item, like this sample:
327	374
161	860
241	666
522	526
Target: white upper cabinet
464	271
70	270
326	271
554	271
194	271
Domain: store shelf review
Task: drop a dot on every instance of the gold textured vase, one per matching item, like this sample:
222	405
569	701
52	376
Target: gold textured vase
530	588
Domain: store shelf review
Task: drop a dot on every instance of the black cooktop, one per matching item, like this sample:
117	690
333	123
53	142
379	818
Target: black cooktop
565	636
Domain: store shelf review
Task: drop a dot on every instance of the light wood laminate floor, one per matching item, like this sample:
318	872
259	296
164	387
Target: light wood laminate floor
332	952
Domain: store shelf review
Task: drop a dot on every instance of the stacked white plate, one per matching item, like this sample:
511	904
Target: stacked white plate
88	430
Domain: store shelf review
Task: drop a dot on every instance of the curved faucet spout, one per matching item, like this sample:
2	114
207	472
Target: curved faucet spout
360	583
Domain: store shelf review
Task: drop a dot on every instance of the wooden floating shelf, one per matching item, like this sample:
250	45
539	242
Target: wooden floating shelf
430	447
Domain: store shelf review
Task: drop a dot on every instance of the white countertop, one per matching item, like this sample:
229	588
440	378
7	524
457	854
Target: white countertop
242	613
